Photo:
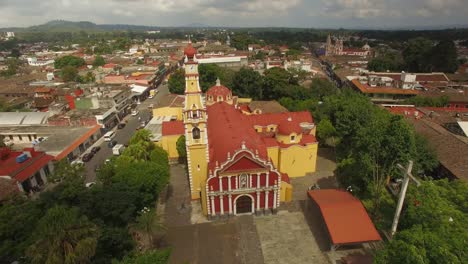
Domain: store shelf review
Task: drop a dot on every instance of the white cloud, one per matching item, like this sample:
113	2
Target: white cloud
306	13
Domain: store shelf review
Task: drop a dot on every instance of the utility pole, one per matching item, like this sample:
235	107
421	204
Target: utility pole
404	186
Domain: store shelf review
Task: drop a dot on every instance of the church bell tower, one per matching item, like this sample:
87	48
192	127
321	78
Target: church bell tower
195	120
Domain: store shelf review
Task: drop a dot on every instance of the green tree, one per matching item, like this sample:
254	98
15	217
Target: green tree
99	61
12	67
176	82
140	62
70	74
69	60
417	55
181	148
326	133
444	57
63	170
386	61
247	83
277	83
18	219
88	78
150	257
419	100
322	87
433	226
209	73
114	205
149	223
113	243
63	236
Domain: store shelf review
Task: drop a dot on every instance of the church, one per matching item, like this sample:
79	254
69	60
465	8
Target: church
238	162
338	49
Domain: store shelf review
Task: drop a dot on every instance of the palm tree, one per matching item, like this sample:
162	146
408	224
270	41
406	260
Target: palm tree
63	236
149	223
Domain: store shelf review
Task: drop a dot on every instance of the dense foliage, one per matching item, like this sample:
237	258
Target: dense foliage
441	101
69	60
87	225
433	227
421	55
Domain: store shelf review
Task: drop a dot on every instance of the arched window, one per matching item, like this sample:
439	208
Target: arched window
196	133
194	111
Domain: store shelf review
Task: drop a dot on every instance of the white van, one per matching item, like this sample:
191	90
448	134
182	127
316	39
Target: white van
109	135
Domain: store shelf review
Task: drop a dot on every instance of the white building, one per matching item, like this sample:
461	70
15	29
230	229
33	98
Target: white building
33	61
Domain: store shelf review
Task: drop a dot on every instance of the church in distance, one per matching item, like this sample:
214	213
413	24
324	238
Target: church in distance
239	161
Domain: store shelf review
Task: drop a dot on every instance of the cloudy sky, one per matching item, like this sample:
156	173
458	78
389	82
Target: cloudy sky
243	13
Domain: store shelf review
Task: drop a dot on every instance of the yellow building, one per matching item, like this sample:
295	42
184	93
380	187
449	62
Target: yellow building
238	162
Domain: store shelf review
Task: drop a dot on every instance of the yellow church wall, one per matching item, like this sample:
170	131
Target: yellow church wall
169	144
285	192
273	154
244	100
297	160
286	139
168	111
198	168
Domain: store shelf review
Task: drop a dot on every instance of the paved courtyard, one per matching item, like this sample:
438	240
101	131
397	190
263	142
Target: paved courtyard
287	238
294	235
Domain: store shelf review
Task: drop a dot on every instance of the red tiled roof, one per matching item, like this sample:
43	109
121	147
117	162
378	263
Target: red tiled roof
109	65
43	90
22	171
279	118
173	128
346	218
364	88
33	167
77	142
288	127
220	90
270	142
227	130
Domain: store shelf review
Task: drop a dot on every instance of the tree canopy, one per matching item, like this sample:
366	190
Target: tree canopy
176	82
433	226
69	60
63	236
99	61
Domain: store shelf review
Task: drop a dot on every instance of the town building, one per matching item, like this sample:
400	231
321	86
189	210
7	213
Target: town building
28	168
239	163
33	61
446	130
336	48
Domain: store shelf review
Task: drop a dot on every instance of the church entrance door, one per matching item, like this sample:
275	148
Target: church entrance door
243	204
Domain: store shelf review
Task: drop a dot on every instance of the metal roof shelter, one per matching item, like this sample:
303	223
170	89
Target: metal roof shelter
346	218
23	118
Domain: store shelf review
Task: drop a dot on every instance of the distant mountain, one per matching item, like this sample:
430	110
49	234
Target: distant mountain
71	26
195	25
63	25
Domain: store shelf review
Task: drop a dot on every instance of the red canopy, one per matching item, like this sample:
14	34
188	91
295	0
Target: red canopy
346	218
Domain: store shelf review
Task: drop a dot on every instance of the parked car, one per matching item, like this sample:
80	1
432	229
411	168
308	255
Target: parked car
112	143
87	157
121	125
95	149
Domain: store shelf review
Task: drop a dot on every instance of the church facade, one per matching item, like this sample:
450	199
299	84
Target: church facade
240	163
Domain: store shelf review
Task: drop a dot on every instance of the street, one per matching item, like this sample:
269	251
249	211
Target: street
122	136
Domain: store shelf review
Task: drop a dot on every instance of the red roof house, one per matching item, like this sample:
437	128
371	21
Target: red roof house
28	167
